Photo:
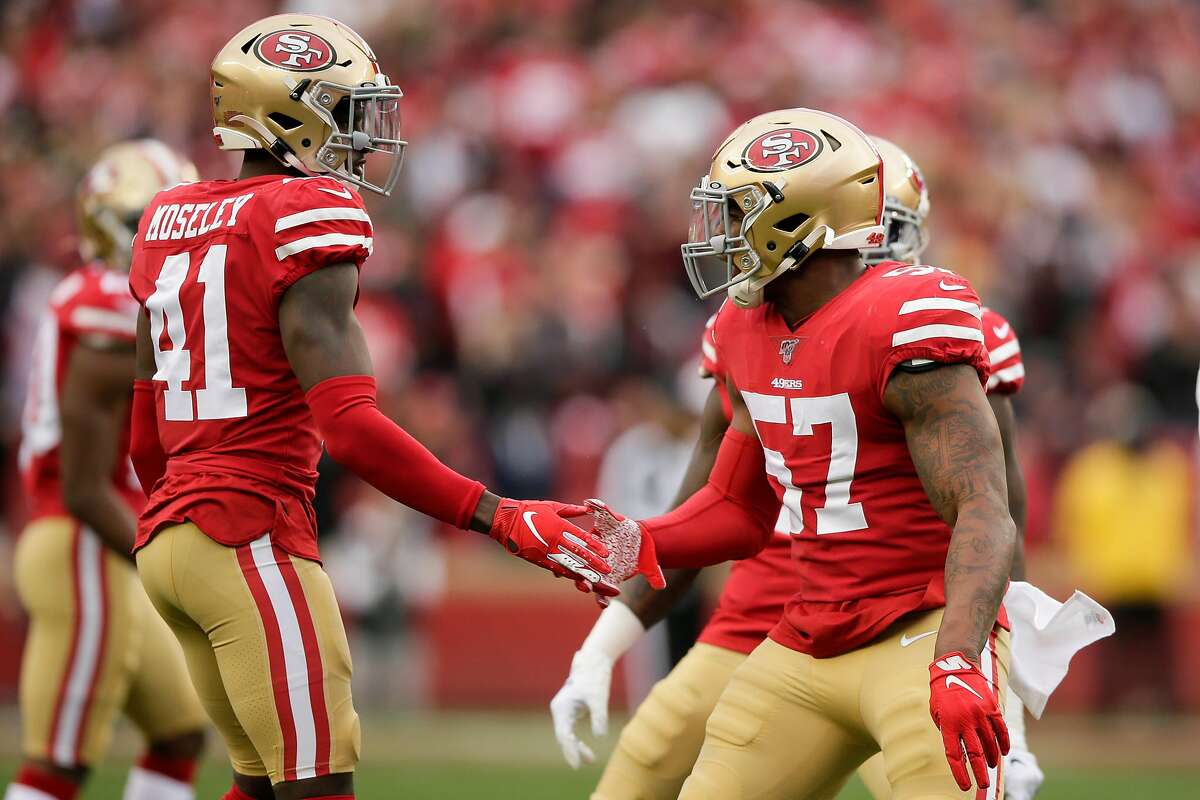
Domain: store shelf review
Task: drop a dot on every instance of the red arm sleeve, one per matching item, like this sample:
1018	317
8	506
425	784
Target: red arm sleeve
145	450
732	517
359	437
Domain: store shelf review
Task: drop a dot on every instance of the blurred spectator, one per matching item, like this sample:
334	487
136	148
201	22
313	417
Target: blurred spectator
529	261
1125	518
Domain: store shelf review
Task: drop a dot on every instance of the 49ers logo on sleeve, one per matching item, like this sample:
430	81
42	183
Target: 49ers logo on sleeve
302	51
781	149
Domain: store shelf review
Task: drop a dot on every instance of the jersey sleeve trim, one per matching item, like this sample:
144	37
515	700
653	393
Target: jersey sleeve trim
1009	377
941	304
936	331
323	240
90	319
319	215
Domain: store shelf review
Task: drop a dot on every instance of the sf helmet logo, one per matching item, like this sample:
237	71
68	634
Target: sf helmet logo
781	149
301	51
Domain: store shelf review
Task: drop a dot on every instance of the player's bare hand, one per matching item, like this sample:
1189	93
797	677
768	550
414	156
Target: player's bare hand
631	548
540	532
963	705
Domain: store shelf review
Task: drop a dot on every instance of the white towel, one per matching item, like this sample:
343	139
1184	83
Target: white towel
1046	634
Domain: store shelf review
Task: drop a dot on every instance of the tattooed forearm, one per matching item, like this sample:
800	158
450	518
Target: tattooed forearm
955	445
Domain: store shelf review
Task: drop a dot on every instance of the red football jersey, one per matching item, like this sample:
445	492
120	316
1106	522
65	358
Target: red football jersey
91	301
211	263
867	545
758	588
1004	353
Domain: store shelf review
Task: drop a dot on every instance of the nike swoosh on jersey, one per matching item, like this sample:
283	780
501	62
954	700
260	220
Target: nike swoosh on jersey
336	192
950	287
1002	331
528	517
906	640
954	680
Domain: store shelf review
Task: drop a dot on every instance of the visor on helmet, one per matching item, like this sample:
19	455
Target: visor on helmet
364	147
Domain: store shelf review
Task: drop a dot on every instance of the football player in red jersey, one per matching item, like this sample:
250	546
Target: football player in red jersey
95	647
249	355
658	747
858	406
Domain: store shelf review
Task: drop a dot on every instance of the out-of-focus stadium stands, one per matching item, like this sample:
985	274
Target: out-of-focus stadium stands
526	275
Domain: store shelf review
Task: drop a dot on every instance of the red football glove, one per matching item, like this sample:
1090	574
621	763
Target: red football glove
964	708
631	548
538	531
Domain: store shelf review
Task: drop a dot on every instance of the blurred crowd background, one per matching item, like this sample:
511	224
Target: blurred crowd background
526	306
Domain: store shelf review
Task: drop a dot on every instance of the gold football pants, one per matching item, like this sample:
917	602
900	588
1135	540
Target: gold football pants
266	649
793	727
658	747
95	648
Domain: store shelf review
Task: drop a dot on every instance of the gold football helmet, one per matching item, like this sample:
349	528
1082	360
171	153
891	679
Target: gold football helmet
782	186
905	207
307	89
117	189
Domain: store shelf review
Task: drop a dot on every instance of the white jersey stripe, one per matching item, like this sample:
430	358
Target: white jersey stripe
319	215
81	672
941	304
295	661
936	332
1007	375
710	352
324	240
1005	351
104	319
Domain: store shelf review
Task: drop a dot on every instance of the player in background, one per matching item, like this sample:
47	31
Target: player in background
858	406
249	355
95	647
658	747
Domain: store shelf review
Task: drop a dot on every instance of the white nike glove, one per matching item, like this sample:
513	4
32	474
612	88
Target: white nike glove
587	686
1022	776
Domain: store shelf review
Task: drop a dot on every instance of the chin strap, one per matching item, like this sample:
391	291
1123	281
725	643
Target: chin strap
749	293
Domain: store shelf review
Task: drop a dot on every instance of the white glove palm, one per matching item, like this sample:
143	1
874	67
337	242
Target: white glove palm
1023	777
586	690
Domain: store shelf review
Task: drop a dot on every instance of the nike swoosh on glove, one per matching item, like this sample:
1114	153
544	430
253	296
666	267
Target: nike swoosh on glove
539	532
964	708
631	548
1022	775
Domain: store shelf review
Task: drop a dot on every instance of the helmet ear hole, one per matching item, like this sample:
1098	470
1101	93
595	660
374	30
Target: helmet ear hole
790	224
284	121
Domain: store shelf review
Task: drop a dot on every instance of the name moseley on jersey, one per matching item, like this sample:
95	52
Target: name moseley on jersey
187	220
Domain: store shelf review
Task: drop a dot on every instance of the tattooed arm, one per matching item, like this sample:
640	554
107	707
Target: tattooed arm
955	445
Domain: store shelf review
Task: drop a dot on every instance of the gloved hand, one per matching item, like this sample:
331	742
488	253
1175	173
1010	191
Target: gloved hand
631	549
586	690
538	531
588	684
1022	776
964	708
